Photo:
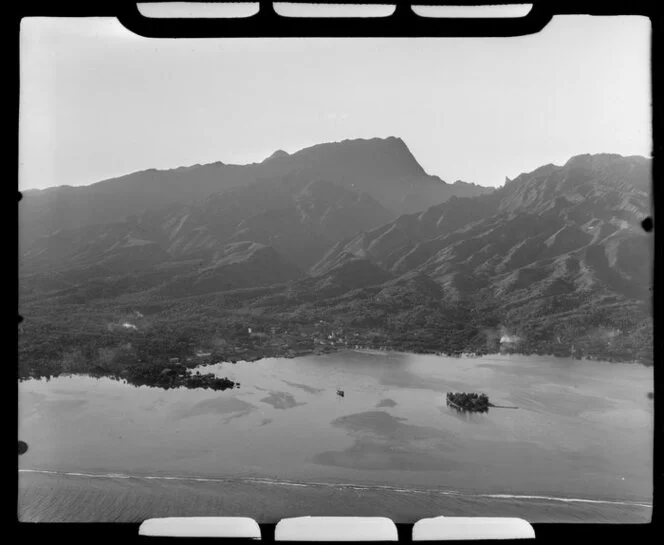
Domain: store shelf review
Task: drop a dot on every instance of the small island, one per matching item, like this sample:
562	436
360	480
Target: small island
471	402
176	376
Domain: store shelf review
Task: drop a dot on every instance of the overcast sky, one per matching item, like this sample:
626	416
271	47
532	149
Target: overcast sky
98	101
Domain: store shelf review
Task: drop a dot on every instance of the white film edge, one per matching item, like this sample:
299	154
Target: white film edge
336	529
341	528
226	527
471	528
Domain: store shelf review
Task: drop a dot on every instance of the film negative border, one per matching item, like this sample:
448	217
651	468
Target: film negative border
402	23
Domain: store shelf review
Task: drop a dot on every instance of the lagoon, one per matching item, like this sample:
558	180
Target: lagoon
583	432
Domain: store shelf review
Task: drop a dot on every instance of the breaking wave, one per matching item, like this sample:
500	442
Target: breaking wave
351	486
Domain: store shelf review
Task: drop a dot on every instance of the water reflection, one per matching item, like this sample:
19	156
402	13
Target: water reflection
281	400
306	388
464	416
386	442
216	405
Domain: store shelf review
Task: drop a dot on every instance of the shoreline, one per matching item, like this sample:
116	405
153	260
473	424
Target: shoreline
387	352
342	485
314	353
79	498
161	374
473	355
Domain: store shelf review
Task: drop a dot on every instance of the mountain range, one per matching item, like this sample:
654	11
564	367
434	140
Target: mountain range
555	230
356	233
383	168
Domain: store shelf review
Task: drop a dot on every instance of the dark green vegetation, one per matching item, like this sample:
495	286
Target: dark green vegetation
472	402
79	339
155	374
287	264
143	363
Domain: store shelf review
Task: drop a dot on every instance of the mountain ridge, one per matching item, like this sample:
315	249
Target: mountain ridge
383	168
547	194
276	154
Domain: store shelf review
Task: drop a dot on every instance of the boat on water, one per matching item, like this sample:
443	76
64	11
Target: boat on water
340	393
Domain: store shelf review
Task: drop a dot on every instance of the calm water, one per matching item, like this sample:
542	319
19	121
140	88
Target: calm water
582	430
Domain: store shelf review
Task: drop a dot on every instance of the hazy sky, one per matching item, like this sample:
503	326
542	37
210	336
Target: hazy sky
98	101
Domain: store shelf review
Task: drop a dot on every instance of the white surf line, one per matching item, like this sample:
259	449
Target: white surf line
387	488
566	500
123	476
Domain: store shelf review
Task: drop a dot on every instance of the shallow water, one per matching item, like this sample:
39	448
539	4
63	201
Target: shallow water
582	430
